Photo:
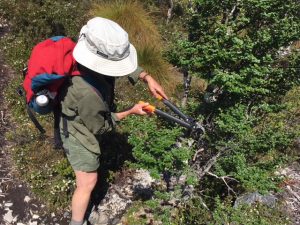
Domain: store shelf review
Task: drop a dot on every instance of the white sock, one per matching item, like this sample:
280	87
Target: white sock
76	222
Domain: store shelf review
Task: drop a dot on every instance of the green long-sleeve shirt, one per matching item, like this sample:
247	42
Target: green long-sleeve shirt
87	113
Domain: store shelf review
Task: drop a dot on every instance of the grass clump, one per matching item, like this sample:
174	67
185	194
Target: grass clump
143	34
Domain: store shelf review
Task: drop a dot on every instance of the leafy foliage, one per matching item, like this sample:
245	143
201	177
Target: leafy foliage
154	146
235	46
224	213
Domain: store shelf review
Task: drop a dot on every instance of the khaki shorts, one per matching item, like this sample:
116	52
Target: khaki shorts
79	157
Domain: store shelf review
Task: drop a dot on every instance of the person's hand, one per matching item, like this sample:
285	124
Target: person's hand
137	109
153	86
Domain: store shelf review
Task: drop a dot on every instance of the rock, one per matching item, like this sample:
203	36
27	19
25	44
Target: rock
98	218
135	185
8	217
66	214
252	198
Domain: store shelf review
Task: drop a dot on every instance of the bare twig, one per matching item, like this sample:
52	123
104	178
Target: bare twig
231	13
293	193
2	117
203	203
187	79
196	154
170	11
208	165
223	178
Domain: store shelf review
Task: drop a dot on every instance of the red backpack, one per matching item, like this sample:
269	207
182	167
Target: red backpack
51	63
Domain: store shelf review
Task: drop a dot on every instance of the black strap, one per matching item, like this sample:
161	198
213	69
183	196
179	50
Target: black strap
65	127
58	144
34	120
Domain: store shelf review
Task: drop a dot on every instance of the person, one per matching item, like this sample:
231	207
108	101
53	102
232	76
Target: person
103	52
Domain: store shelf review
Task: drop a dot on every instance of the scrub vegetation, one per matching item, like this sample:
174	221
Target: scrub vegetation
246	52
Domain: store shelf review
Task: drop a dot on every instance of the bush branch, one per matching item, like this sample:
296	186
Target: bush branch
223	178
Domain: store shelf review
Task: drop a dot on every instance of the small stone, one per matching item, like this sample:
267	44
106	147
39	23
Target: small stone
66	214
52	214
20	224
8	204
27	199
35	216
33	223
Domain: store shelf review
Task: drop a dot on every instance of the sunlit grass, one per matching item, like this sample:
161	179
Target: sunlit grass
143	34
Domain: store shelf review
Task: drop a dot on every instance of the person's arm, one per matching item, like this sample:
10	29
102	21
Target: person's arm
153	86
137	109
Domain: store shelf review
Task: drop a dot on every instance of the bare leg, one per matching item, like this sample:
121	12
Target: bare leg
85	183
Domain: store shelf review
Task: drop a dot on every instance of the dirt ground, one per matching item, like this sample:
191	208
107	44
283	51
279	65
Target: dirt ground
17	204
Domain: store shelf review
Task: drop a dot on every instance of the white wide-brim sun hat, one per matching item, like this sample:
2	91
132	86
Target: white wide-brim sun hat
103	47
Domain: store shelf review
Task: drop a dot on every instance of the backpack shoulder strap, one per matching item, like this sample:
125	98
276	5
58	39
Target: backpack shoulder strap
34	120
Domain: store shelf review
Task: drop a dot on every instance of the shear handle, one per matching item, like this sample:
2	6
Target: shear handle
153	109
174	109
173	119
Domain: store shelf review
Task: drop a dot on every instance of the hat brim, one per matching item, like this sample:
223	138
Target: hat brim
104	66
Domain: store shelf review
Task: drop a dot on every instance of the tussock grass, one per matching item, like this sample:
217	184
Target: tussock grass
143	34
133	18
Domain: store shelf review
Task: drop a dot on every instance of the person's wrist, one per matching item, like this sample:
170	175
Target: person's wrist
145	76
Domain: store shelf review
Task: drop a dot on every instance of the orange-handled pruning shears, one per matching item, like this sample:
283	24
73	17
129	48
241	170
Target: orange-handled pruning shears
187	122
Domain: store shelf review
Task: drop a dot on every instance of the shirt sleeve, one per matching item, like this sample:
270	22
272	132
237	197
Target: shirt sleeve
95	114
134	77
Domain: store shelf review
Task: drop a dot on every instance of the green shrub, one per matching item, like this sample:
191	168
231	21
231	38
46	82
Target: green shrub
154	146
224	213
